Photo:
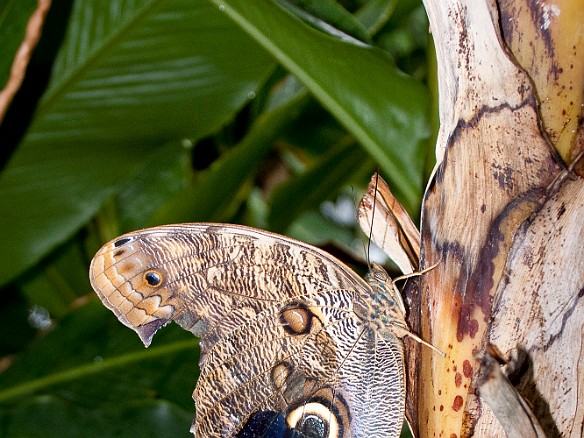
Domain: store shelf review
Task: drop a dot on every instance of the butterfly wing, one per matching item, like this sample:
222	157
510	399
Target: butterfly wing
283	327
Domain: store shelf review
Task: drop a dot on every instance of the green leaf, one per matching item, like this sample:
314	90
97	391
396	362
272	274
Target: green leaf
375	13
107	387
312	227
130	77
383	108
328	16
55	284
167	174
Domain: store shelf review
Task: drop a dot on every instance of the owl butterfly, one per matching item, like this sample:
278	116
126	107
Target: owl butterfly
293	342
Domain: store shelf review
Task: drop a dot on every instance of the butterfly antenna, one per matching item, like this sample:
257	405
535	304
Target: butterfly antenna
417	273
368	251
365	247
421	341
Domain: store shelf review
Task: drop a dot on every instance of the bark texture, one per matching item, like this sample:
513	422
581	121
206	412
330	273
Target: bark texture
502	217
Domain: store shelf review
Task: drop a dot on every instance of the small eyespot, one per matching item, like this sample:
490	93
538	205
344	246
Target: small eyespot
280	374
153	278
120	242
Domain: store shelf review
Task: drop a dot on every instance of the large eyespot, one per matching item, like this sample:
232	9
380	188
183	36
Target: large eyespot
296	319
153	278
314	420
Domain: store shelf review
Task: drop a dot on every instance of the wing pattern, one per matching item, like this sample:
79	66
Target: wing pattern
286	329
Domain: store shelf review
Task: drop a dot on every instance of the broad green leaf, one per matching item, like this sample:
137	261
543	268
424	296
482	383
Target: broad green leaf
383	108
167	174
130	77
92	376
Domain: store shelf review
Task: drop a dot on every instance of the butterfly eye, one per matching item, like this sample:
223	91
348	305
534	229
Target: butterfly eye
153	278
314	420
380	276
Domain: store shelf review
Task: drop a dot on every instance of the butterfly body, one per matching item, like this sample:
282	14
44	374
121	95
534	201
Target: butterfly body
293	342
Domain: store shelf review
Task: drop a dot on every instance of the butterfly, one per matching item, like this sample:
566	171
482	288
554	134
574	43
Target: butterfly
293	342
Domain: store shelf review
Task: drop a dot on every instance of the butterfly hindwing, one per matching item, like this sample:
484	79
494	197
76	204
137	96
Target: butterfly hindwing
286	336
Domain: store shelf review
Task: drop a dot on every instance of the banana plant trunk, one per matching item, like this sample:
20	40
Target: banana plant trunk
503	221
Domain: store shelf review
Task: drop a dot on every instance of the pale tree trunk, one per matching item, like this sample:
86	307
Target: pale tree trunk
503	219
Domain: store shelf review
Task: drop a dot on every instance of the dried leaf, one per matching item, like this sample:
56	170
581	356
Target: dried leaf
538	307
508	406
547	40
383	218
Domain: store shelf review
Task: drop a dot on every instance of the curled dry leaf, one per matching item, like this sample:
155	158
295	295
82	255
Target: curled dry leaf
383	218
506	403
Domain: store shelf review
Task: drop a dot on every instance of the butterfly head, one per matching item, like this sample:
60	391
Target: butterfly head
129	282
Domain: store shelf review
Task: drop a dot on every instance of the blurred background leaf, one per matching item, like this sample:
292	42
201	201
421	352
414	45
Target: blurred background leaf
129	77
137	113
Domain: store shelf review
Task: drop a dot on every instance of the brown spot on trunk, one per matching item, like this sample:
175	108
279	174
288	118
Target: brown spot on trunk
457	379
473	328
467	369
457	403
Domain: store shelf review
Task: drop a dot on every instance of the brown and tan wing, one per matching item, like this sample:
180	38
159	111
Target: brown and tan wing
390	226
282	345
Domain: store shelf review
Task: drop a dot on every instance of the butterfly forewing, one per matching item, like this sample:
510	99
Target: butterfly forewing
285	328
